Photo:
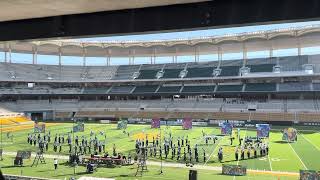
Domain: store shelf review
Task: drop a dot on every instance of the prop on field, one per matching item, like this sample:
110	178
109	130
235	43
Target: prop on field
263	130
289	134
187	123
142	165
24	154
122	124
79	127
226	128
155	123
39	157
309	175
39	128
234	170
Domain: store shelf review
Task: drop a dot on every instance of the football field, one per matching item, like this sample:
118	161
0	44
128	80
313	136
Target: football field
284	160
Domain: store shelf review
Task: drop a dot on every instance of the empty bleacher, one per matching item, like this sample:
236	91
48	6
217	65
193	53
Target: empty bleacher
316	86
229	70
171	73
198	89
95	90
145	89
261	68
199	72
148	74
169	89
125	72
121	89
229	88
172	70
294	86
292	63
255	87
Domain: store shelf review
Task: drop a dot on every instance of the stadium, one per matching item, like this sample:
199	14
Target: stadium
230	106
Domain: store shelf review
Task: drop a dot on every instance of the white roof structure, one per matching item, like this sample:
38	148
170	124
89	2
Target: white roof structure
17	10
231	43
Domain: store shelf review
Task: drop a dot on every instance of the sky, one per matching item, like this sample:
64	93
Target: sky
44	59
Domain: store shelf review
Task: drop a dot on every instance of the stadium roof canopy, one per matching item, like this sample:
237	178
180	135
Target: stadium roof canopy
18	10
231	43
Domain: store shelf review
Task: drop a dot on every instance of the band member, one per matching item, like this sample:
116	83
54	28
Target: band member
220	155
237	154
114	150
255	152
242	153
248	152
231	140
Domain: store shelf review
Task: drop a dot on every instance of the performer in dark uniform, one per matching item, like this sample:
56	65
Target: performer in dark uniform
220	155
242	153
237	154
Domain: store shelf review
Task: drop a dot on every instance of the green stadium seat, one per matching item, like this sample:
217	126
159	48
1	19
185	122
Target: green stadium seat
171	73
197	89
96	90
148	74
200	72
261	68
169	89
261	87
229	71
146	89
229	88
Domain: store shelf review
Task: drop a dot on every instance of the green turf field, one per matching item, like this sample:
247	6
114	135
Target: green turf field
283	156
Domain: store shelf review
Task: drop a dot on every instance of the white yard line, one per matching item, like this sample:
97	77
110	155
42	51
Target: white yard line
234	177
310	142
269	161
298	157
269	155
214	150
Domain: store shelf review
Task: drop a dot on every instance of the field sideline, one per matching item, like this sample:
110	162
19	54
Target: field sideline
283	156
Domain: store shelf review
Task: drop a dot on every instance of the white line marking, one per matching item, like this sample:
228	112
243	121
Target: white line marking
214	150
298	157
310	142
269	156
270	162
234	177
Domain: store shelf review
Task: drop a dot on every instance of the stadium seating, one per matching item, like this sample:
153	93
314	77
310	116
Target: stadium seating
121	89
171	73
102	90
229	70
199	72
229	88
292	63
62	114
169	89
294	86
146	89
261	68
316	86
125	72
148	74
198	89
254	87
